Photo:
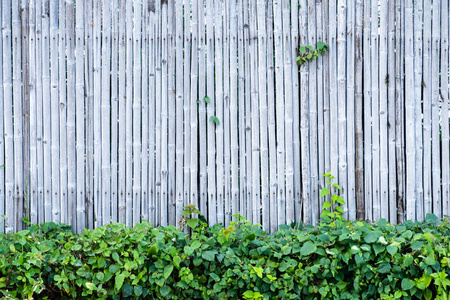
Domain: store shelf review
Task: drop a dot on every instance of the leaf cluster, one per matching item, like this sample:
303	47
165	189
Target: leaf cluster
308	53
345	260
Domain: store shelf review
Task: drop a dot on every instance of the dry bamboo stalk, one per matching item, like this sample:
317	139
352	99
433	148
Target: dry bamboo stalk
320	104
350	194
63	112
339	110
409	113
263	112
89	73
383	129
222	211
435	103
241	99
98	221
304	122
171	110
122	190
187	103
179	85
193	125
418	51
70	111
39	110
229	16
391	115
105	110
79	118
25	72
367	114
158	82
7	116
114	110
424	84
444	110
152	111
129	115
359	133
164	97
144	112
248	126
137	104
202	107
54	102
33	179
271	121
326	96
279	100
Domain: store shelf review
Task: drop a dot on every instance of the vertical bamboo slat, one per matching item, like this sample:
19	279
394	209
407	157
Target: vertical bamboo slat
39	111
152	111
187	102
63	15
171	110
193	125
295	107
145	113
122	189
128	116
229	31
2	130
248	125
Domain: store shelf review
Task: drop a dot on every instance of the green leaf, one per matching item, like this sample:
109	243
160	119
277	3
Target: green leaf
371	237
337	186
119	281
326	204
207	99
431	218
302	49
324	192
188	250
384	268
167	271
392	249
407	284
310	47
113	268
153	249
308	248
416	245
165	290
138	290
198	101
192	223
176	261
309	56
90	286
208	255
196	244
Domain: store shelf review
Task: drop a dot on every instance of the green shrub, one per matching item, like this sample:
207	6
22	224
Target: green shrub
335	260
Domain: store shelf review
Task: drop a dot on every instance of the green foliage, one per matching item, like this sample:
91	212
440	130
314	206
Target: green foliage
336	260
215	120
332	211
308	53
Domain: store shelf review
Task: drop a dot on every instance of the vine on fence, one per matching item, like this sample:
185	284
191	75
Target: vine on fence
308	53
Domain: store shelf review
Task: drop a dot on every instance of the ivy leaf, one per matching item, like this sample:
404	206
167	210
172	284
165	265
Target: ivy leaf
407	284
208	255
165	290
326	204
310	47
90	286
309	56
196	244
324	192
431	218
416	245
214	119
167	271
119	281
207	99
192	223
371	237
302	49
308	248
198	101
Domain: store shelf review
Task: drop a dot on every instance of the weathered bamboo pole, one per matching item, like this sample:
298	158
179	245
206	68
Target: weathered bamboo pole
152	110
248	120
171	110
145	113
187	102
241	98
25	72
158	112
122	189
129	115
193	125
296	109
229	29
321	92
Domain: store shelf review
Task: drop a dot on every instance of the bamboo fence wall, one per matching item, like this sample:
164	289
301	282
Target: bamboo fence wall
118	111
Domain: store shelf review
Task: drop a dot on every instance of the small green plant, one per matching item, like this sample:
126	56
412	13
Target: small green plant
188	219
308	53
332	211
252	295
215	120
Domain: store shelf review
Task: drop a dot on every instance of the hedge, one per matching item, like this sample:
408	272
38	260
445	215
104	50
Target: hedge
334	260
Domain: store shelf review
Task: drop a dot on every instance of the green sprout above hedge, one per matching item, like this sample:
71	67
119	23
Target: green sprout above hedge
308	53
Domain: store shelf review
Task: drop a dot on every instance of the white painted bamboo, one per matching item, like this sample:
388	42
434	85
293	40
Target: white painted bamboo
241	98
152	111
33	179
187	99
248	126
129	116
193	125
70	110
341	101
359	133
279	100
25	99
179	107
409	113
229	16
424	83
171	110
137	104
271	121
202	107
367	114
63	112
46	111
231	105
158	112
383	79
2	128
105	110
435	103
418	51
296	110
263	113
98	221
445	118
306	201
79	119
326	95
144	112
222	211
311	95
392	190
54	102
114	110
333	73
350	193
122	189
164	88
39	110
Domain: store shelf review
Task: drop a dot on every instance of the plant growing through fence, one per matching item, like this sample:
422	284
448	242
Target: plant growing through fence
308	53
332	211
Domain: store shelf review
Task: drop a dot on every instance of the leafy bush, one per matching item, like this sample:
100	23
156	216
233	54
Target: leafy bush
335	260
